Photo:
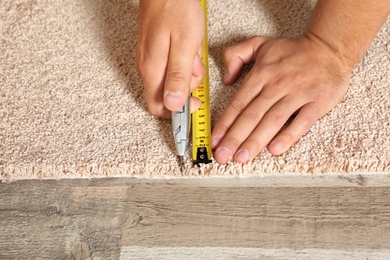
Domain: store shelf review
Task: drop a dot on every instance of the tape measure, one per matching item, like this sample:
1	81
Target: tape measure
201	119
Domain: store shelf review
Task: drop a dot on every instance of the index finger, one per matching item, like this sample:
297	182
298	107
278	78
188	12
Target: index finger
151	61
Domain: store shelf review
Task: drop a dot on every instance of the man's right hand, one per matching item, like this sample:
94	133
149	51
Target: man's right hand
169	52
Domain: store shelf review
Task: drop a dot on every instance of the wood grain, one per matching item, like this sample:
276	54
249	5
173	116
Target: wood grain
287	217
96	219
59	221
195	253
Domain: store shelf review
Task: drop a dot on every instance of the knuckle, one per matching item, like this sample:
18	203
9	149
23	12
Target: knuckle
275	90
176	76
251	115
280	84
277	117
186	39
237	105
261	73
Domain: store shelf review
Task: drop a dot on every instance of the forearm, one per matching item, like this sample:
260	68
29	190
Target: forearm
348	26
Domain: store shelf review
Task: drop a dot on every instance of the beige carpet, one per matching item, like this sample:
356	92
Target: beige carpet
72	105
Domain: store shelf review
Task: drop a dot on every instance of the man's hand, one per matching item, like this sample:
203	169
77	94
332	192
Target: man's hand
169	52
308	76
288	76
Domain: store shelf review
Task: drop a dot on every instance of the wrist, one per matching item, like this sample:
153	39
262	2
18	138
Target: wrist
347	27
347	57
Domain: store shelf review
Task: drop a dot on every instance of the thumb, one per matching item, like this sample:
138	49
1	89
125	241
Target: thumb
178	75
236	56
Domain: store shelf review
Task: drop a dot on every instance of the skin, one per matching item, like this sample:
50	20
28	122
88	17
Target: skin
169	52
306	77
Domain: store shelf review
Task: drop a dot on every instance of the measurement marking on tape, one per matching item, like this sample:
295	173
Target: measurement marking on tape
201	119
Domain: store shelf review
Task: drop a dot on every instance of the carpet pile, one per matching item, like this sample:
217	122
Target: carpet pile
72	104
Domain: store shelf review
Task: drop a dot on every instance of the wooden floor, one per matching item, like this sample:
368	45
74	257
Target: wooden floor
291	217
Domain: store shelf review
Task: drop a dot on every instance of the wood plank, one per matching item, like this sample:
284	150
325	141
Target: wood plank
98	218
262	217
195	253
57	221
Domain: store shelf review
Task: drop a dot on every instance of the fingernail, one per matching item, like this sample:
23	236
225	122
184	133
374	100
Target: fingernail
277	147
242	156
224	154
173	98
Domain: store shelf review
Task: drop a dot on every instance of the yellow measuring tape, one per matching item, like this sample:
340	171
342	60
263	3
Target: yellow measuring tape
201	120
